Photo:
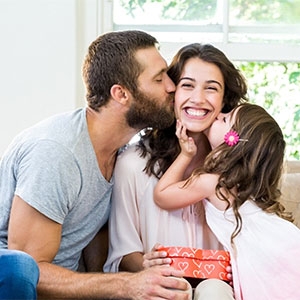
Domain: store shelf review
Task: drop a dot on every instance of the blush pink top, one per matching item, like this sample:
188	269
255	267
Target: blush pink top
137	224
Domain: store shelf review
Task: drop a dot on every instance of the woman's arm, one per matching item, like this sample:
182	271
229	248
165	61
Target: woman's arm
126	248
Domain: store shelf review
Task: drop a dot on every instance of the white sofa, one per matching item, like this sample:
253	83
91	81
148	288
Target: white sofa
290	189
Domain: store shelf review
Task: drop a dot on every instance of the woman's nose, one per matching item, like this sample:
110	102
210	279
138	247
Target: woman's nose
197	96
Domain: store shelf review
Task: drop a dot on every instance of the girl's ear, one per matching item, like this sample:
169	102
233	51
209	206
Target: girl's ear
120	94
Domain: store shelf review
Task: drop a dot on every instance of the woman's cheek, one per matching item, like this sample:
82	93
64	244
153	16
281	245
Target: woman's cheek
177	115
177	109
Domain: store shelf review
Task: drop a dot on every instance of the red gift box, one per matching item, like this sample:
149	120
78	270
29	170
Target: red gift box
199	263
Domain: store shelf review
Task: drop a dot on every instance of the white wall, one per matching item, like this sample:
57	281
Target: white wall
42	45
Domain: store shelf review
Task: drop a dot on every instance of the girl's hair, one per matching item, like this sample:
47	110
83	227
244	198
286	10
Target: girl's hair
252	168
163	145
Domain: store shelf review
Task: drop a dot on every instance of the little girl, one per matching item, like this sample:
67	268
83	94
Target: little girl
239	186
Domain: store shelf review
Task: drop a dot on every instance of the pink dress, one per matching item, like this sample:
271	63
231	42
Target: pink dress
265	257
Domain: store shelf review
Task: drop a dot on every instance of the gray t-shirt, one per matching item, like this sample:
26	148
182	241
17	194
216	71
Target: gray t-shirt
53	167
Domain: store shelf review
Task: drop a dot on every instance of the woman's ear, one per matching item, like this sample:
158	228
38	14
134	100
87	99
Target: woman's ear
120	94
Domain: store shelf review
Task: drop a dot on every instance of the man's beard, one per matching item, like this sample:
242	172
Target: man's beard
150	112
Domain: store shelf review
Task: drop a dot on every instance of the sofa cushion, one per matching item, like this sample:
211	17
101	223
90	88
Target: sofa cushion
290	189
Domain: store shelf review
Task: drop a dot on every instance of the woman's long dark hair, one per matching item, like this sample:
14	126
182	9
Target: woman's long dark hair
162	145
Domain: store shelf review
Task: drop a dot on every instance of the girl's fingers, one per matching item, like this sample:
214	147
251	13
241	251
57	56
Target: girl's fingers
181	132
178	129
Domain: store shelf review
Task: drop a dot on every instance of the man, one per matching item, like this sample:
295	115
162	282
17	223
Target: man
56	177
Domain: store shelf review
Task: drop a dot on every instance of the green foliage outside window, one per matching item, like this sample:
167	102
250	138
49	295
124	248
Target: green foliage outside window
264	11
177	9
275	86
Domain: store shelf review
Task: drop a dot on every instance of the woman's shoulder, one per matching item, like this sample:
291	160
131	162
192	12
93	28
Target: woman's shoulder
129	157
130	152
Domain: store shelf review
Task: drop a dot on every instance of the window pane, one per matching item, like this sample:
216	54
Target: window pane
264	21
255	12
169	21
247	21
168	12
275	86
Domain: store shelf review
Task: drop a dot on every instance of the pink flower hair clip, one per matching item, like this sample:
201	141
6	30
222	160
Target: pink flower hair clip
231	138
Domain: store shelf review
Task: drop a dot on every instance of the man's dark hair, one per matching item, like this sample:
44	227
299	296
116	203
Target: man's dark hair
111	60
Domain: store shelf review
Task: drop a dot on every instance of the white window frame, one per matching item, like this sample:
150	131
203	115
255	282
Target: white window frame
269	52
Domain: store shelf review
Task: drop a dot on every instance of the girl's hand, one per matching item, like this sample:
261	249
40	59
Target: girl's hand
187	144
156	257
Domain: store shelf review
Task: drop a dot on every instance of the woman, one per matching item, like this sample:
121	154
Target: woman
206	83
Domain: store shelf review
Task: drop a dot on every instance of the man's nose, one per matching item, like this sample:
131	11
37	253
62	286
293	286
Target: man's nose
170	86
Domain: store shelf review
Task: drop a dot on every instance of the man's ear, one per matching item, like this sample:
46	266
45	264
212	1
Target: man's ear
120	94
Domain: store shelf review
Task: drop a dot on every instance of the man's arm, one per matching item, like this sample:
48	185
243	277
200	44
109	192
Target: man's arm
32	232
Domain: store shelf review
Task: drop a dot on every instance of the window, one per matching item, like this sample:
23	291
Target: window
253	30
262	37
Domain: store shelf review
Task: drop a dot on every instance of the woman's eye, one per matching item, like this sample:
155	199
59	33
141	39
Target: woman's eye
224	119
212	88
186	85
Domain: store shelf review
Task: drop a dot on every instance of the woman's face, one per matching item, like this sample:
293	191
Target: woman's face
199	94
